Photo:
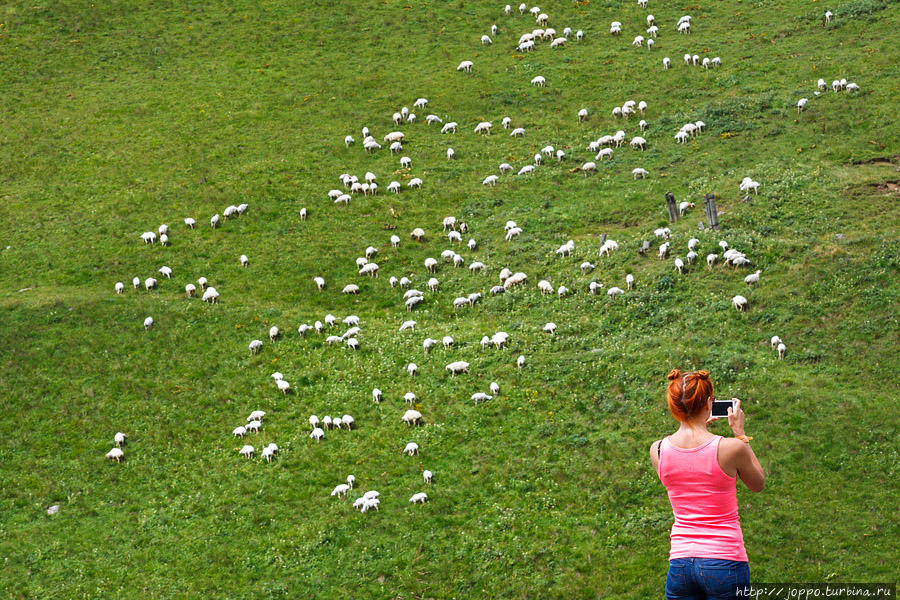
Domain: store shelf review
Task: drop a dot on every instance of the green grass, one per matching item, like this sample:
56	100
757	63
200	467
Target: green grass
116	118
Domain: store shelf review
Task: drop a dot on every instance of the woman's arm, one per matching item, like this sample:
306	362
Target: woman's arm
654	454
744	459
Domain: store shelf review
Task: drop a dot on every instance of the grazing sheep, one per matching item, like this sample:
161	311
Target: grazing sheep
457	367
466	66
638	142
353	344
317	434
550	328
486	40
190	222
614	291
740	303
679	266
340	490
419	498
115	454
639	172
247	451
411	417
666	63
350	289
412	369
604	152
411	448
283	386
517	132
255	346
274	333
448	127
239	431
417	234
119	439
520	362
526	170
405	162
211	295
801	104
148	323
376	395
588	167
781	350
752	278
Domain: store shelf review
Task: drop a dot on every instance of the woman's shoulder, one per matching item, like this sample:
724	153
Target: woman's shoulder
731	448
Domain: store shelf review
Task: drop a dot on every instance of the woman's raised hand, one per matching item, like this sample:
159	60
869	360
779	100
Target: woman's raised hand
736	418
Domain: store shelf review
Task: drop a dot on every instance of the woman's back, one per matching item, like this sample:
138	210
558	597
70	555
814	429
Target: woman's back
704	502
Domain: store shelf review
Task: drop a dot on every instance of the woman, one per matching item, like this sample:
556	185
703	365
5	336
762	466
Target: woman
699	469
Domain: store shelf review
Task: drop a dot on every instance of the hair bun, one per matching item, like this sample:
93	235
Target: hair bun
675	374
702	375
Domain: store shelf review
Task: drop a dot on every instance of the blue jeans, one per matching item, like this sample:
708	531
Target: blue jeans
705	578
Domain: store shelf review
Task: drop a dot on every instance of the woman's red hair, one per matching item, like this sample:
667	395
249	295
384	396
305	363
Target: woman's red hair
688	393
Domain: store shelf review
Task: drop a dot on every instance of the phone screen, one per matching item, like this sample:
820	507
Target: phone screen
720	408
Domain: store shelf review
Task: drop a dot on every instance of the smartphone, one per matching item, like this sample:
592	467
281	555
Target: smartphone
720	408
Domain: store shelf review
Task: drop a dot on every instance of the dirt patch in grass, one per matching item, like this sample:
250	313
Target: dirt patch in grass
887	161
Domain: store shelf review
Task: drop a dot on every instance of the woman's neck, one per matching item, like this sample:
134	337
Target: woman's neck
696	431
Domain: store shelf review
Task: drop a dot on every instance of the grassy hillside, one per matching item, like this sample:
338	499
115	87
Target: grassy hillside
117	118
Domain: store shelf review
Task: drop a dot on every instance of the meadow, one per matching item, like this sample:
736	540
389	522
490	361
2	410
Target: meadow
117	118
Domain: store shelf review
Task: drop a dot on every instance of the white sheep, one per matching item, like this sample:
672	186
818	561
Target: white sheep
639	172
283	386
411	417
781	349
515	278
211	295
254	426
740	303
190	222
411	448
614	291
412	369
682	210
588	167
405	162
466	66
752	278
550	328
415	182
247	451
239	431
350	288
148	323
457	367
317	434
520	361
115	454
517	132
604	153
666	63
119	439
340	490
638	142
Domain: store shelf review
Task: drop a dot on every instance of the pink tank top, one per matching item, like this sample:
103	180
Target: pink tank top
704	501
